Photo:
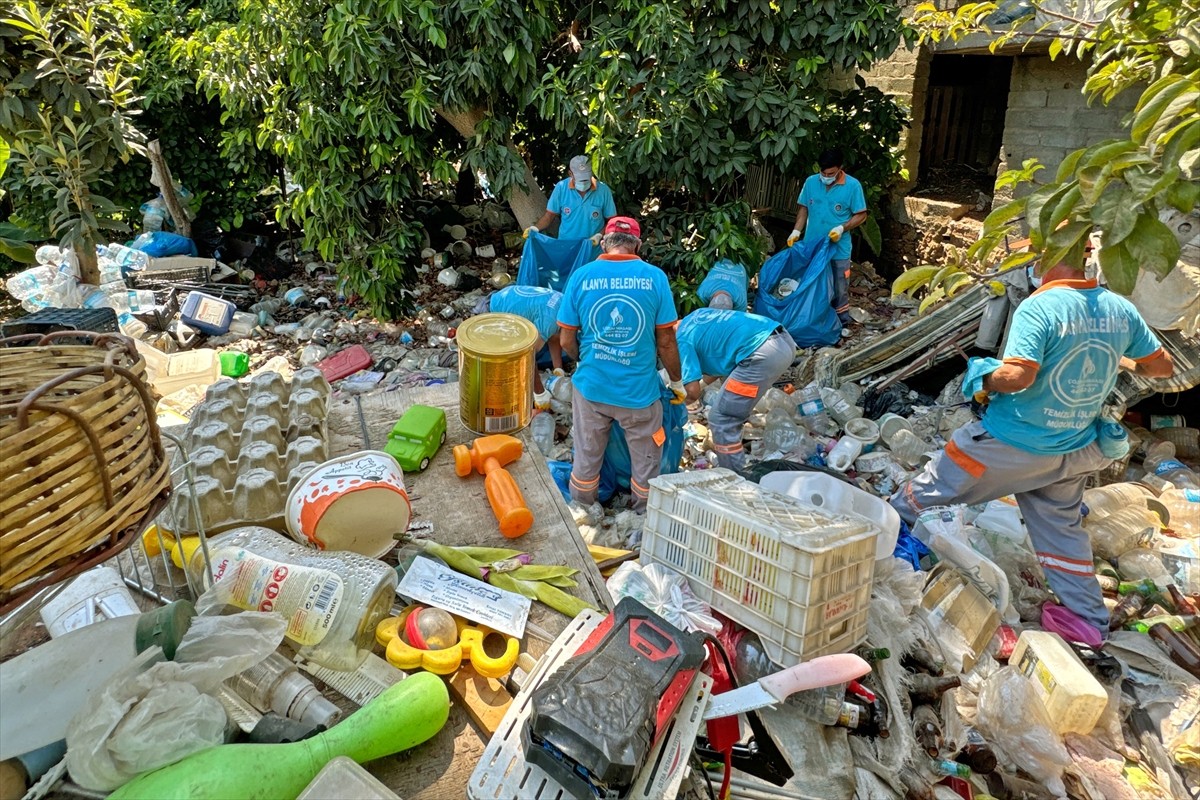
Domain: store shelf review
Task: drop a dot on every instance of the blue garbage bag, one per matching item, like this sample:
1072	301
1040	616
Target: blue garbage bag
616	470
807	312
159	244
725	276
560	471
548	262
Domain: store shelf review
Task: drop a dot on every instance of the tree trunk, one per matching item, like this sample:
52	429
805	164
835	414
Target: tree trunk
89	268
527	202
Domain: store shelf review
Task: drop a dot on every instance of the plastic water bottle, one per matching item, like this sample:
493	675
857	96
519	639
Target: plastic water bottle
31	282
1183	505
560	388
1166	467
781	435
127	257
543	431
811	409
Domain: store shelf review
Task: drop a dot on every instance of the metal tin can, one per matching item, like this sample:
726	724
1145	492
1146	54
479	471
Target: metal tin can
495	372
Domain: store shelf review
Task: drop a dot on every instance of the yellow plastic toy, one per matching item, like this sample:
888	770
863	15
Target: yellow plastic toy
470	646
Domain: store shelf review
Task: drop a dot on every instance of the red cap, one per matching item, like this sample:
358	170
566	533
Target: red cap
624	225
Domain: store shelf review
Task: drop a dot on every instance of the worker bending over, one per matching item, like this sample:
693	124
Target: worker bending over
752	351
539	306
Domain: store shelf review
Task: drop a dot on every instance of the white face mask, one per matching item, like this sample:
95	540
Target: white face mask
1034	280
827	179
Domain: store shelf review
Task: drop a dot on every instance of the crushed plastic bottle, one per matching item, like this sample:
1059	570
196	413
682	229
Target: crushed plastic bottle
542	427
1166	467
781	435
560	388
1183	506
1120	531
125	257
811	409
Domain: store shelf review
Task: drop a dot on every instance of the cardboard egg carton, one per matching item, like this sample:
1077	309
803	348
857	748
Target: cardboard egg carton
249	444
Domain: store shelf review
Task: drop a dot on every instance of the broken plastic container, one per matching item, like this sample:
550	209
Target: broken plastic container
836	495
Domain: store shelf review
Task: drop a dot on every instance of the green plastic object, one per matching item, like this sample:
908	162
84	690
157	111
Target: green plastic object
234	364
416	437
406	714
164	627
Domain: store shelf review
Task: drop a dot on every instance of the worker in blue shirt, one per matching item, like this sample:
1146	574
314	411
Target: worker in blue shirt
832	204
749	351
724	286
539	306
1038	439
618	320
583	203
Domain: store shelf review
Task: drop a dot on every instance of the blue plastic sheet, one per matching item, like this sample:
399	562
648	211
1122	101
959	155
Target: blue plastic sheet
548	262
807	312
159	244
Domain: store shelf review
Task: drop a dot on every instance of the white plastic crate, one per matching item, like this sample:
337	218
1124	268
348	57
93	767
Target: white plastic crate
798	576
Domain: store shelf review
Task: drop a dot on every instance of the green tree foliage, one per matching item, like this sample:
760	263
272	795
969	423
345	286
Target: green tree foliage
66	112
1120	186
368	103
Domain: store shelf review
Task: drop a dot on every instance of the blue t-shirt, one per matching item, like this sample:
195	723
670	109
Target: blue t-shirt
725	276
582	215
1076	333
713	341
830	206
616	303
538	305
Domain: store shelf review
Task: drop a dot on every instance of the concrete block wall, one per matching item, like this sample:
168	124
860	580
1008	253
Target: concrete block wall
905	77
1049	117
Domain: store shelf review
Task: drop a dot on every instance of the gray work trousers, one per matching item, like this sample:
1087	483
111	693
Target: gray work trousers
643	433
975	467
735	402
841	289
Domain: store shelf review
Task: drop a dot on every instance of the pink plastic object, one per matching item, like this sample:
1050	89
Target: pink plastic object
1069	625
347	362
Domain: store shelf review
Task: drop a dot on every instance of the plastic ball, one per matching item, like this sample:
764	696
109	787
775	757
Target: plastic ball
430	629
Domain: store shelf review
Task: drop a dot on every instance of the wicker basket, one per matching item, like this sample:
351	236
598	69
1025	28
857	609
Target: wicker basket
82	468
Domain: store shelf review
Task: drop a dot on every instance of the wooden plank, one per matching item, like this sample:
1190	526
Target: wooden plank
485	699
460	515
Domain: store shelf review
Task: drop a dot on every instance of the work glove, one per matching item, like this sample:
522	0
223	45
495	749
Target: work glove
836	233
529	230
558	372
596	239
541	400
793	238
680	393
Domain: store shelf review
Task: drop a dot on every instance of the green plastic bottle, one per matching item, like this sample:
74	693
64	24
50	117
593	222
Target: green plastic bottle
405	715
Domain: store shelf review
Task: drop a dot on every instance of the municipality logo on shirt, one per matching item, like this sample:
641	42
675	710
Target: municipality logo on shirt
617	321
1081	378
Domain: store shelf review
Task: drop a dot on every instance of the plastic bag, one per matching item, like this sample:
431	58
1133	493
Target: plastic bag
1015	721
148	718
664	592
159	244
807	312
548	262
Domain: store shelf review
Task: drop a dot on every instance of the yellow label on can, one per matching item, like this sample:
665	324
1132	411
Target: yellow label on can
495	373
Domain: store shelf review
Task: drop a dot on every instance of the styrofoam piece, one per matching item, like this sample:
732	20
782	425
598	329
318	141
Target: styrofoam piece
825	491
797	575
97	594
504	773
345	779
249	443
168	373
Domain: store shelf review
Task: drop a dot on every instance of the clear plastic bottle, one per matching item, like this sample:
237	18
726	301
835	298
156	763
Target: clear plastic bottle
1183	505
560	388
908	448
274	684
542	427
332	600
1120	531
811	409
837	406
31	282
127	257
1166	467
1103	500
781	435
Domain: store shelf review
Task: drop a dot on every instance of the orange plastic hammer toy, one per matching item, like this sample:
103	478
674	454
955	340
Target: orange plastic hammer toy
488	456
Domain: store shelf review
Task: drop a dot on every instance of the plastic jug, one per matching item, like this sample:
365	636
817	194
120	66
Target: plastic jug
1071	695
332	599
1120	531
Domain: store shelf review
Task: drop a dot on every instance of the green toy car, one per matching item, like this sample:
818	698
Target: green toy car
416	437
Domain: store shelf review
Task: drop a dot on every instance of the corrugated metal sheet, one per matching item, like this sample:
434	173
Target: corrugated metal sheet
1184	351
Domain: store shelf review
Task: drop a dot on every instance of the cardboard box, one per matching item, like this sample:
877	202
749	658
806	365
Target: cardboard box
951	601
